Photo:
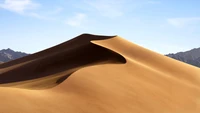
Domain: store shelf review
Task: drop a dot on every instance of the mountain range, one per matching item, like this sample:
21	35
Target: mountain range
9	54
191	57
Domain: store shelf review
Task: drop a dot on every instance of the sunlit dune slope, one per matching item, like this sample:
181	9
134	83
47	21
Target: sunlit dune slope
58	63
99	74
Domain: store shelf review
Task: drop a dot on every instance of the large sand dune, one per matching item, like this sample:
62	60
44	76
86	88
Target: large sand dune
98	74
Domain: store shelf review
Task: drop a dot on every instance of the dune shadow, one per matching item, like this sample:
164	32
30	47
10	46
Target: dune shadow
76	57
70	44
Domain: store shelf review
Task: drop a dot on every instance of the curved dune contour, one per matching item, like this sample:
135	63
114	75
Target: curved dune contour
45	71
98	74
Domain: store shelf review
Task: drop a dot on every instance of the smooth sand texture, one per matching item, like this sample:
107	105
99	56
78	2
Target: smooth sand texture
98	74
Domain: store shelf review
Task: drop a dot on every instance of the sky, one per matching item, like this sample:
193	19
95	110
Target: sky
164	26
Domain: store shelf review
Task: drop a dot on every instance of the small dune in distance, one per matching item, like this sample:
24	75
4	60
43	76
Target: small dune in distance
98	74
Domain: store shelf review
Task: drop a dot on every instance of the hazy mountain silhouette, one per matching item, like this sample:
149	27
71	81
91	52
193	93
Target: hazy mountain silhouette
9	54
191	57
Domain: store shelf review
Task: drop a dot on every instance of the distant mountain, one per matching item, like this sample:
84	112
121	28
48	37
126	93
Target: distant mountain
191	57
8	55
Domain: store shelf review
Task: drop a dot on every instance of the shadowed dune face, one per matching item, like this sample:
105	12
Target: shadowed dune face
99	74
71	44
68	61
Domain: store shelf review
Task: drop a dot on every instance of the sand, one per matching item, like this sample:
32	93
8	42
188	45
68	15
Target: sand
98	74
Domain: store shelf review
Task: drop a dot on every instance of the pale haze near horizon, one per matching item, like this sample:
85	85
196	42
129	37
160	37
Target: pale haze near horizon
164	26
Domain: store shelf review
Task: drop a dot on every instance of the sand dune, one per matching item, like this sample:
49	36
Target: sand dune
98	74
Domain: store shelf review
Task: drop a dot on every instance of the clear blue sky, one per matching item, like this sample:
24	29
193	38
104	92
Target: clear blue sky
164	26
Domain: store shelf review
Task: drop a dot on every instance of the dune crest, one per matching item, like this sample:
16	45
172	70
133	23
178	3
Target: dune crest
99	74
59	63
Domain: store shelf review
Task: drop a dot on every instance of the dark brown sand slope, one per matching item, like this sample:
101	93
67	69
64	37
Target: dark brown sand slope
98	74
67	57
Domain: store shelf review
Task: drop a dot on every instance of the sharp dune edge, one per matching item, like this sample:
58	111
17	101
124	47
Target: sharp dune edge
98	74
